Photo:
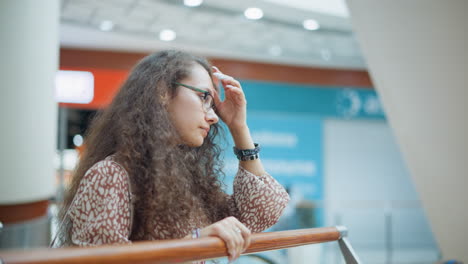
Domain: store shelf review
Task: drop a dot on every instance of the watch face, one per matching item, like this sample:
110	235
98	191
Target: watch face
247	154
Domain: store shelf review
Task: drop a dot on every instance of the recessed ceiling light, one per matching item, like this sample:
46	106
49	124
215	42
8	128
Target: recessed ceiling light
193	2
106	25
253	13
167	35
311	24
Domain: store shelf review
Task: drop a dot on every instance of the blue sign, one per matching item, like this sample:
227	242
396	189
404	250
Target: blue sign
320	101
291	151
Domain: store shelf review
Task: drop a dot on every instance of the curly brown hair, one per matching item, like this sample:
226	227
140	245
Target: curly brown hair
165	178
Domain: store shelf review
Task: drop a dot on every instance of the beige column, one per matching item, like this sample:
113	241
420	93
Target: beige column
28	112
417	56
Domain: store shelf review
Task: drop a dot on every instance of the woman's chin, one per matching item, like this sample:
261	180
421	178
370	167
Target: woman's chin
195	143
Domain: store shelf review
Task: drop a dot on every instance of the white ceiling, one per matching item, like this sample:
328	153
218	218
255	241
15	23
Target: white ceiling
218	28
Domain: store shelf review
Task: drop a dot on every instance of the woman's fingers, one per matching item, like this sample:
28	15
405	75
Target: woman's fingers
236	95
238	241
243	234
232	87
235	235
219	230
232	94
215	75
225	79
231	225
233	243
232	91
228	80
215	69
217	99
246	234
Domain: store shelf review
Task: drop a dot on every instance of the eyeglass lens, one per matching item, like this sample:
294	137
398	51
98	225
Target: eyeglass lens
208	102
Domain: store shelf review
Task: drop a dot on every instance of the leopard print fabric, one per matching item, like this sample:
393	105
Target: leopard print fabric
101	212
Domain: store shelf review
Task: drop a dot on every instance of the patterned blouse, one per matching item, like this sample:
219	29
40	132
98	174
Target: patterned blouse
101	212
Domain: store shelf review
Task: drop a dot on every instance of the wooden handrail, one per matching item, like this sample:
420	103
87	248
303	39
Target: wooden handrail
170	251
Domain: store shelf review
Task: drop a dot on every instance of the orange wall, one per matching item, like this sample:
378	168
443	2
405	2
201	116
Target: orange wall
106	85
110	69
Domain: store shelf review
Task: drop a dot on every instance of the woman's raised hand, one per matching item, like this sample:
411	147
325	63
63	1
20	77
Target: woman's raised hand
233	109
232	232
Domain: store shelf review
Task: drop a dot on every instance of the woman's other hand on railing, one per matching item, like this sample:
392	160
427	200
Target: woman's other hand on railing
235	234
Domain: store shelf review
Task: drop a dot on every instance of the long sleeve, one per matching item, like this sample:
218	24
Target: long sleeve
259	200
101	212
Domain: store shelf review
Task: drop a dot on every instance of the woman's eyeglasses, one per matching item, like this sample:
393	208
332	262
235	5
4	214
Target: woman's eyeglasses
206	97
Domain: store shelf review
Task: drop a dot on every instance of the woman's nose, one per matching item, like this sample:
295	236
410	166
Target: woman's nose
211	117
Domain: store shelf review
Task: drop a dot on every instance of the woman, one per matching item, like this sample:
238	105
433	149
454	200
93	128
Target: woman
150	169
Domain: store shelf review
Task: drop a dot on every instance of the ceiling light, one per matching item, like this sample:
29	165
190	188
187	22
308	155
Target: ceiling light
106	25
253	13
193	2
167	35
311	24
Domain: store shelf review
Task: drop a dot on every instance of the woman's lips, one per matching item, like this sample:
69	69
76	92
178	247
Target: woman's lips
206	130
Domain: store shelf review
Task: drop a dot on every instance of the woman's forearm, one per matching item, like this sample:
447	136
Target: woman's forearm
243	140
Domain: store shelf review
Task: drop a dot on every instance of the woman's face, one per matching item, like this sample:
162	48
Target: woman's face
186	110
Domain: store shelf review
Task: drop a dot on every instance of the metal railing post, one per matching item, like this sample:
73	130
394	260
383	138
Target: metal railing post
349	255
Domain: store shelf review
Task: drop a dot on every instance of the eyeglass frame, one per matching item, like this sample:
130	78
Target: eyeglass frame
205	95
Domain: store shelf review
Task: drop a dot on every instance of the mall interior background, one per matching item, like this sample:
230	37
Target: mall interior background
311	103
